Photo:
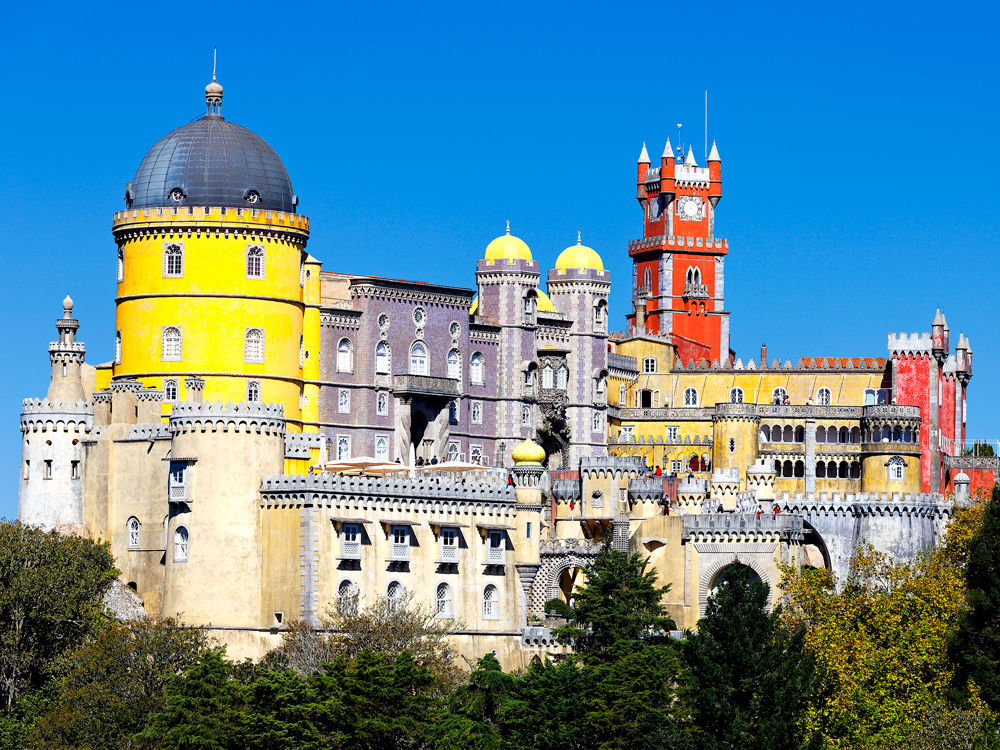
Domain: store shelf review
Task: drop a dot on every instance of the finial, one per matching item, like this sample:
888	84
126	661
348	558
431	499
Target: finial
508	226
68	307
578	241
213	91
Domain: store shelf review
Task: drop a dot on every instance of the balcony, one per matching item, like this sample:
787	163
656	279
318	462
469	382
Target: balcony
449	553
399	551
425	386
642	291
350	550
495	555
696	291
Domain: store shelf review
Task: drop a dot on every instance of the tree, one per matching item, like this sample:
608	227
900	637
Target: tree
50	600
196	707
116	682
975	647
474	717
750	675
385	626
618	608
883	641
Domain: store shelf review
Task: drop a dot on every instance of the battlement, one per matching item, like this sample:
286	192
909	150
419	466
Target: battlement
730	527
232	218
41	415
658	439
387	492
725	475
123	386
148	432
242	417
666	241
298	444
75	347
804	363
910	343
602	465
865	503
645	488
623	363
569	546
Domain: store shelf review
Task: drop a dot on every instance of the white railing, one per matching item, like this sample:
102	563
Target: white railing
449	552
494	555
350	549
400	552
178	492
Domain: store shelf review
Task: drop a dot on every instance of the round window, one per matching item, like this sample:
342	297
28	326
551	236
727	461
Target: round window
419	316
177	195
252	196
383	321
455	329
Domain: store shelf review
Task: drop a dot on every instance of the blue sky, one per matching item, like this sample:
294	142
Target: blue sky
857	140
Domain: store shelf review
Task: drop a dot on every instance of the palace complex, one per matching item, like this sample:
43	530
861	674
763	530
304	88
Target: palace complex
243	371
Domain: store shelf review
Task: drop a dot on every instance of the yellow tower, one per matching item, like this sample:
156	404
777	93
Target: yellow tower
213	277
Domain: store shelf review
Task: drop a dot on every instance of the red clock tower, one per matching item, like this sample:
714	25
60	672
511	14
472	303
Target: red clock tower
678	266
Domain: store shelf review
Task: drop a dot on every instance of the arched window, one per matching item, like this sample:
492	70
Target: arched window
820	434
418	358
452	451
800	469
832	435
562	374
786	469
831	470
170	349
824	397
845	435
382	358
477	369
736	395
255	261
253	391
173	259
690	275
547	377
598	422
855	470
647	279
779	396
621	395
855	435
345	356
394	593
121	265
600	315
800	435
453	412
765	434
897	435
454	365
118	347
821	470
525	414
180	544
133	532
253	346
443	605
843	470
491	607
869	397
382	448
787	436
347	598
897	469
170	390
690	397
907	435
776	433
302	350
382	403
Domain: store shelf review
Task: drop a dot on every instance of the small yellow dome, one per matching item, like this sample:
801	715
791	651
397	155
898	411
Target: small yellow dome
528	453
475	305
579	256
507	247
544	304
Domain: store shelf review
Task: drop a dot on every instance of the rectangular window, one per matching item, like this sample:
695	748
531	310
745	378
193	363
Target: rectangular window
350	545
675	467
255	261
173	259
672	433
495	548
170	390
253	345
649	364
47	469
382	403
400	547
382	448
178	481
75	470
343	447
27	470
253	391
527	530
477	412
344	402
449	545
476	454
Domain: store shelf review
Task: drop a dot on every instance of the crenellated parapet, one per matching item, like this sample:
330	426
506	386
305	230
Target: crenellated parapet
148	432
41	415
383	493
615	466
729	528
126	386
912	345
646	489
149	395
229	417
298	444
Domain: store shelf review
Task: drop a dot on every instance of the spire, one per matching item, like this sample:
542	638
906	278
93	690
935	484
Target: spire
68	308
508	227
938	318
578	240
213	91
962	343
690	158
944	322
668	151
714	155
643	156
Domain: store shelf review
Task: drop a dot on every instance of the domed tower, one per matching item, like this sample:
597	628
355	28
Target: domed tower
212	271
51	490
579	287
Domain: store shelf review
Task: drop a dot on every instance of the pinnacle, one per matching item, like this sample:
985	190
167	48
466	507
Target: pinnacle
690	158
714	154
938	318
644	156
668	151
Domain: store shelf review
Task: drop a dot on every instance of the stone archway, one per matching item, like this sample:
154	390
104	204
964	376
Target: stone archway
719	562
556	558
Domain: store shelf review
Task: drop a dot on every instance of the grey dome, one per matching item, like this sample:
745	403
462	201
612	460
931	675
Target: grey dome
214	163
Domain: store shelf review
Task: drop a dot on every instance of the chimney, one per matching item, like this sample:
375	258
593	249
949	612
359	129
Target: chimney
763	352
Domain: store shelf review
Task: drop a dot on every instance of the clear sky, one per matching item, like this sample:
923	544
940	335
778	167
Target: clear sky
857	140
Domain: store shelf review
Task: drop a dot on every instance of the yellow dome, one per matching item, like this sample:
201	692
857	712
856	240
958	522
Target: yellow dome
507	247
544	304
579	256
528	453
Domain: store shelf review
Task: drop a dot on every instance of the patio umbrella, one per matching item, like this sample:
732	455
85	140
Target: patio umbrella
453	466
360	462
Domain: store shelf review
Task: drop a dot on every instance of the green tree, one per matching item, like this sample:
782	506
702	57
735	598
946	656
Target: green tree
618	608
197	707
50	601
474	718
278	710
975	647
750	676
116	682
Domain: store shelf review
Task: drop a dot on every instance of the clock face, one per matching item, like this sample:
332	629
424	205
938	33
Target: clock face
690	208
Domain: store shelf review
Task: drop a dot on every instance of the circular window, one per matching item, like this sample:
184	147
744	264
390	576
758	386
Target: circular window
252	196
383	321
419	316
455	329
177	195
